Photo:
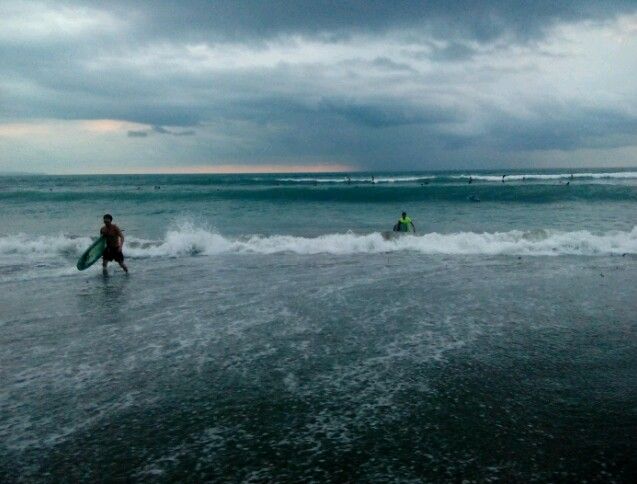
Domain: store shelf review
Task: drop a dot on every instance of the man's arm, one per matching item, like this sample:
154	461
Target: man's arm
120	235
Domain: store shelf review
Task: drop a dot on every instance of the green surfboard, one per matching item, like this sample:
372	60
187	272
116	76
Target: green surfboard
92	254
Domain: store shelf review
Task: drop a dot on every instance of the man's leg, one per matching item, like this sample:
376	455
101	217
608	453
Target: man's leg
119	258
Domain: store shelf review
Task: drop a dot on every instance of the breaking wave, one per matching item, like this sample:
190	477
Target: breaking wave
189	240
621	175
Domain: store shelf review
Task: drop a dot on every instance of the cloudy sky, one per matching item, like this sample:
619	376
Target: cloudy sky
197	86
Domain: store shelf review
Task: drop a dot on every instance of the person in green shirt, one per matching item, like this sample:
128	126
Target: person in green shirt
404	222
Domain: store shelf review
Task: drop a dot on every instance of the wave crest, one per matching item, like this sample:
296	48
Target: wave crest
189	240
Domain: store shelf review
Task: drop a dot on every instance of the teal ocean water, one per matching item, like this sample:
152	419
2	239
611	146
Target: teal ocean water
271	330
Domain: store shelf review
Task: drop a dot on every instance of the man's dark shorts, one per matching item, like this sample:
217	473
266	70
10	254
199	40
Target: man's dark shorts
111	254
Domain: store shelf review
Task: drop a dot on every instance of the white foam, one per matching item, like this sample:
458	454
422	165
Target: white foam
481	177
358	179
553	176
22	244
188	240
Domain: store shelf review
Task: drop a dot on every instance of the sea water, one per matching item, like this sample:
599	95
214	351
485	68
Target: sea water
268	331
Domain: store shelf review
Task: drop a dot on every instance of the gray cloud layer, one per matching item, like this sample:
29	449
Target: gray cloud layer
379	84
254	20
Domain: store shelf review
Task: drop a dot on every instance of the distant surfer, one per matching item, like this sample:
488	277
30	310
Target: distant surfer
403	224
470	180
114	242
503	178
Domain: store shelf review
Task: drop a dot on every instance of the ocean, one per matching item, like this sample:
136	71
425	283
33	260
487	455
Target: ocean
269	331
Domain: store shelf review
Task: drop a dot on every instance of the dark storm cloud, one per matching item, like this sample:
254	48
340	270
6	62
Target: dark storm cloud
159	130
250	20
391	113
454	51
561	129
163	130
386	63
382	82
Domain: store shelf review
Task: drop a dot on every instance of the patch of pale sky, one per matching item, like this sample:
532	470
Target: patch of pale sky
20	130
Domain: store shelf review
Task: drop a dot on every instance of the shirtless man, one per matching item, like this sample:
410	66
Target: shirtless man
114	241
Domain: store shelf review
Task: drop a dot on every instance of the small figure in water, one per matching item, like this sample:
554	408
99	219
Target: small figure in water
403	224
114	242
349	180
373	181
503	178
470	180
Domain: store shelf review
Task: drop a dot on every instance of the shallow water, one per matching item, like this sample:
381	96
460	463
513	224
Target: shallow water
262	340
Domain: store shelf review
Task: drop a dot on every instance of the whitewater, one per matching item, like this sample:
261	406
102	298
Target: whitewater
188	240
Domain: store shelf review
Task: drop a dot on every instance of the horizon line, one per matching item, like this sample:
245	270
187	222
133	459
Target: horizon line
300	169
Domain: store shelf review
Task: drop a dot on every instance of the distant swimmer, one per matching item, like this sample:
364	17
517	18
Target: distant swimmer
373	181
114	242
503	178
470	180
403	224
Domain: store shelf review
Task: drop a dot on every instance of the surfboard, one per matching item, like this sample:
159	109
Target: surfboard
92	254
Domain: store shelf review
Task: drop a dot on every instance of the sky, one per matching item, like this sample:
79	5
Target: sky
240	86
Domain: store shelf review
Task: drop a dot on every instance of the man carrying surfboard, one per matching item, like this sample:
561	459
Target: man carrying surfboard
114	242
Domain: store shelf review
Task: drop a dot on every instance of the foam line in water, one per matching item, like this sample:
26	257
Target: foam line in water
552	176
188	240
478	177
60	244
357	179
